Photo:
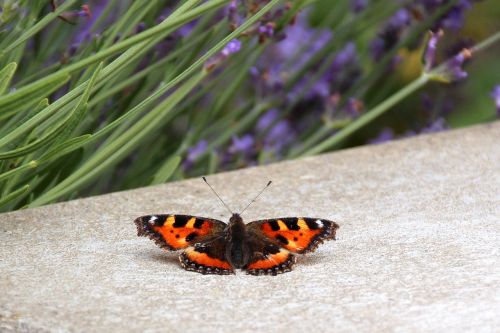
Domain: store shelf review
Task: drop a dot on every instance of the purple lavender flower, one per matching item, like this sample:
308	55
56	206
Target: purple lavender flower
70	16
437	125
84	30
390	34
277	133
345	56
453	19
430	51
345	69
268	81
400	19
140	27
453	69
495	94
194	152
354	107
358	6
387	134
243	145
279	136
266	31
267	119
232	15
297	36
233	46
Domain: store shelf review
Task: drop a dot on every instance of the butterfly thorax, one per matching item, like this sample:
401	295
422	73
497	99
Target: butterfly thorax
237	252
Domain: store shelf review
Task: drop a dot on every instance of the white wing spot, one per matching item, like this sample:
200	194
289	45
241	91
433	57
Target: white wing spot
152	219
319	223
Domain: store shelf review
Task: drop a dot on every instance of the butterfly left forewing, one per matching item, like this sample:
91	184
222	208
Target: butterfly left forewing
175	232
296	234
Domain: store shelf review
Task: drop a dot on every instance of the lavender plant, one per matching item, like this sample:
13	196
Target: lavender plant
106	95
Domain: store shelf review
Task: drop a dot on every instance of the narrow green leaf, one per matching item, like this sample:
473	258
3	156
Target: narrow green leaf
80	109
115	66
213	161
166	170
65	148
65	127
38	26
31	94
21	117
35	145
180	17
30	165
14	195
196	65
112	153
128	21
6	75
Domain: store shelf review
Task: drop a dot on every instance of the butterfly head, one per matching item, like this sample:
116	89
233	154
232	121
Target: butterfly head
235	219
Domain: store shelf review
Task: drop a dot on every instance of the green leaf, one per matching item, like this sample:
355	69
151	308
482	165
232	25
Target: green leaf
30	165
38	26
65	127
113	152
108	71
65	148
6	75
21	117
80	109
189	71
14	195
30	94
166	170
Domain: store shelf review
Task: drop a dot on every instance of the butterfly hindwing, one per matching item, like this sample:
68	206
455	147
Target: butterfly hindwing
296	234
207	256
268	258
175	232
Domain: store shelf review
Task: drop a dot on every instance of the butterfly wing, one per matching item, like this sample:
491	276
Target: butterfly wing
296	234
175	232
268	257
207	256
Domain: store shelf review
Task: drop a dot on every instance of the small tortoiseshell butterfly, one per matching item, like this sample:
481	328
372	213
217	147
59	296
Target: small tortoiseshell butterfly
211	246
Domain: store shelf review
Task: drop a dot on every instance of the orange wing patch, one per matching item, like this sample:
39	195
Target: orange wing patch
176	232
298	235
194	260
271	263
271	260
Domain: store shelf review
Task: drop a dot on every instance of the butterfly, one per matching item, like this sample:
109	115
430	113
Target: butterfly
210	246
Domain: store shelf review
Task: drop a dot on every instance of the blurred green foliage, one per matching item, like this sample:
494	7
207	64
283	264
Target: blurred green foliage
130	105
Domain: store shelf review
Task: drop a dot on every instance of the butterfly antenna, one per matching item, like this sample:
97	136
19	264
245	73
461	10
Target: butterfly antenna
251	202
217	195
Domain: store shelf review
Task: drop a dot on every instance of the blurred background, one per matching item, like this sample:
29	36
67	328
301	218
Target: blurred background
105	95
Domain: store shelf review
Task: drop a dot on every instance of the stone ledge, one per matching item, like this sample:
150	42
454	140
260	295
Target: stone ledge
417	249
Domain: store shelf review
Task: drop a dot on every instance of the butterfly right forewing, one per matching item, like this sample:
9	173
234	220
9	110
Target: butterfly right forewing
296	234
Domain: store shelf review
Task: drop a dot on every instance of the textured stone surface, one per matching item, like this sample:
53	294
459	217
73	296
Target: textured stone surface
418	249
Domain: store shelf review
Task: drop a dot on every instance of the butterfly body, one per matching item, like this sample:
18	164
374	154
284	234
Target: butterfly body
210	246
237	247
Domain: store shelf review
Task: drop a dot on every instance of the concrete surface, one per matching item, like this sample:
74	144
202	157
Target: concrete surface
417	250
